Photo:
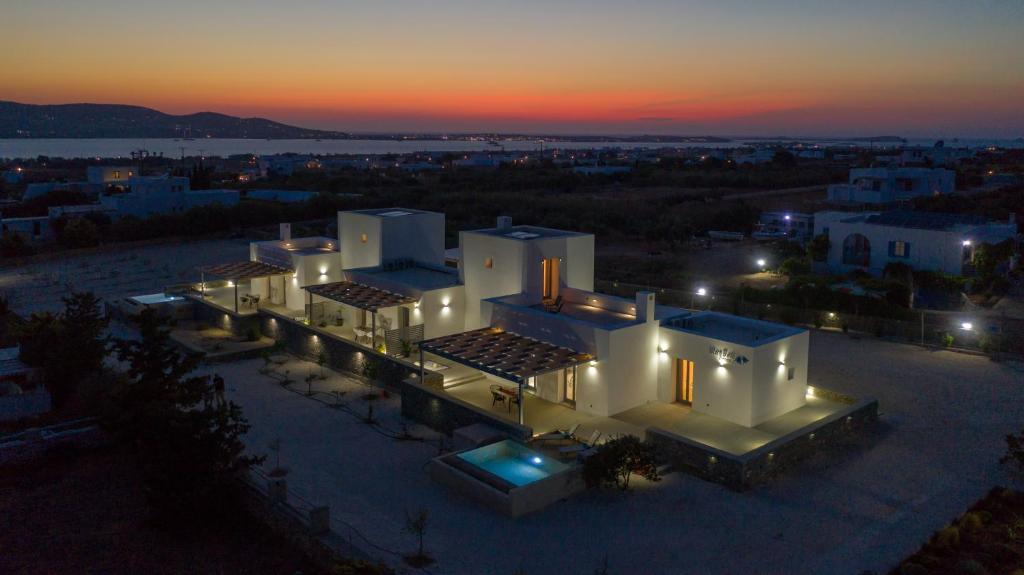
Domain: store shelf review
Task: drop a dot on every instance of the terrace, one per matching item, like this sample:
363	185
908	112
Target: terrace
362	314
236	286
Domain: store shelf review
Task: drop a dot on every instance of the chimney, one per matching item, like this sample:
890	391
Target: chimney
644	306
286	232
504	222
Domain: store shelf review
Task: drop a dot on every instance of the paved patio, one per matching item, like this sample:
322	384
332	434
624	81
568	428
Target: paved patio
544	416
936	451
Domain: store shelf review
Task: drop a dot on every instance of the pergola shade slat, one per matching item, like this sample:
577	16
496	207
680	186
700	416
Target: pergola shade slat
505	354
359	296
245	270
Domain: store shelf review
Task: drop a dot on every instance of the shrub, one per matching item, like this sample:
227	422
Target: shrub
947	537
947	340
617	460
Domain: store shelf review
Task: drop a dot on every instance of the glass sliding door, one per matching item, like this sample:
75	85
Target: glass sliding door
684	381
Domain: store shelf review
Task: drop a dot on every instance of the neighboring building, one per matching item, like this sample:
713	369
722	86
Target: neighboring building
13	176
758	156
282	196
601	170
937	155
923	240
35	229
153	195
22	393
110	175
793	225
889	185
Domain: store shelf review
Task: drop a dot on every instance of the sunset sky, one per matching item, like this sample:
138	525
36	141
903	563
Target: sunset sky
915	68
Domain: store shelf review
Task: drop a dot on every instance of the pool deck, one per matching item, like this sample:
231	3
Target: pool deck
544	416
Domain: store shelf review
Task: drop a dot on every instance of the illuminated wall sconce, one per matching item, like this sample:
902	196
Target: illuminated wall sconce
967	326
231	284
967	243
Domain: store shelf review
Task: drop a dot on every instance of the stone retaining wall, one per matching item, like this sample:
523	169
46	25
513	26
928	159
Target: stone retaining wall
741	472
341	354
442	412
237	324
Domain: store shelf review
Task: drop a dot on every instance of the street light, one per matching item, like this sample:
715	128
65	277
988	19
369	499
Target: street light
761	263
700	292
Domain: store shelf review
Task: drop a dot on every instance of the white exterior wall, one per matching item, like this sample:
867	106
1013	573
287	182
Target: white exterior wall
516	267
504	277
747	394
437	319
418	236
773	392
935	250
354	252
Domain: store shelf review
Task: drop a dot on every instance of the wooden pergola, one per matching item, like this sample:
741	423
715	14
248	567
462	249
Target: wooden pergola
505	354
359	296
238	271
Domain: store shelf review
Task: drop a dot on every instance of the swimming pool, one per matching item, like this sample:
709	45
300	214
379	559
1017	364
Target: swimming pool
513	462
155	298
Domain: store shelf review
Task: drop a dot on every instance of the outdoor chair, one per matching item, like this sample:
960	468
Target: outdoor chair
557	305
582	446
559	434
497	397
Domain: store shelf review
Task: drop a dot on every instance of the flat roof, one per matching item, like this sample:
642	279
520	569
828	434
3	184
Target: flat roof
420	277
246	270
390	212
925	220
527	232
731	328
359	295
503	353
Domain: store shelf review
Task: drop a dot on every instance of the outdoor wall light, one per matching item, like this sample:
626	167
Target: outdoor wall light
967	243
831	315
967	326
231	284
702	291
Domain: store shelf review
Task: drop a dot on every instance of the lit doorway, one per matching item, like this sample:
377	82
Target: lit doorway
683	373
549	287
570	387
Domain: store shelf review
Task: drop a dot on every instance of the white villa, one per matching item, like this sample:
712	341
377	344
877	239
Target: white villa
519	316
923	240
890	185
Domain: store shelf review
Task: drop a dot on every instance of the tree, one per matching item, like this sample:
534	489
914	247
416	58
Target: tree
70	346
617	460
416	524
795	267
79	233
189	443
818	247
1014	451
13	244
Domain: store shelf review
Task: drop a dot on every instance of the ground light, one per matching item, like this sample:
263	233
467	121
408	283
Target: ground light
537	460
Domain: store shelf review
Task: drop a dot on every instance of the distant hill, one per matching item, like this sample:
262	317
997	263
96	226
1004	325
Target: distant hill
118	121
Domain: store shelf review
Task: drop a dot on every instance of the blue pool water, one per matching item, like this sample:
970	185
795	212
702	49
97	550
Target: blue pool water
155	298
513	462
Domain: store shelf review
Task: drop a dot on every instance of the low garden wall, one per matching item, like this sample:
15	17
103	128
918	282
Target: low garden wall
442	412
741	472
299	339
238	324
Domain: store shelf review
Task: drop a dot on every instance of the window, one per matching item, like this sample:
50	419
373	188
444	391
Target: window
489	263
363	238
117	174
899	249
790	374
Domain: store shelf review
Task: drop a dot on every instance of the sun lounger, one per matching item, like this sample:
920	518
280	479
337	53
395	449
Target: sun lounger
559	434
582	446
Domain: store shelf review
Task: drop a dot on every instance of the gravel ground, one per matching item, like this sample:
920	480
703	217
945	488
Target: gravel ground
114	274
935	451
